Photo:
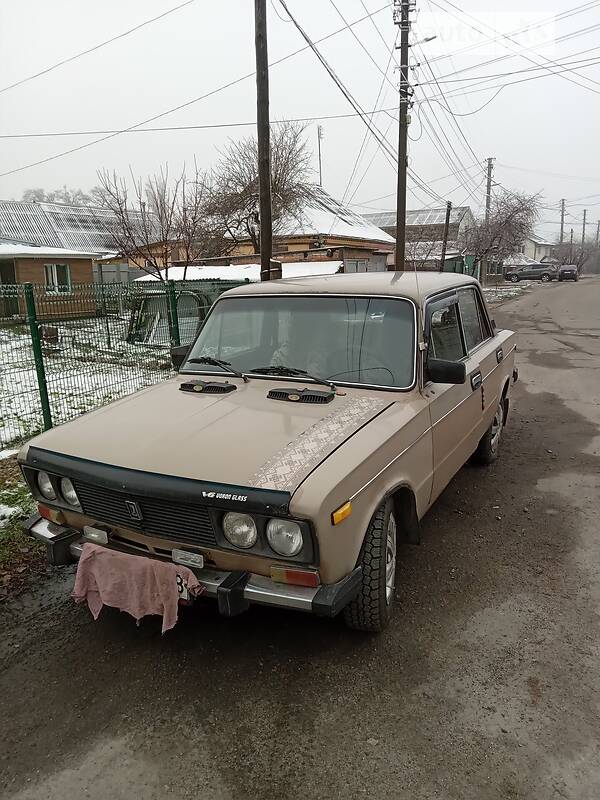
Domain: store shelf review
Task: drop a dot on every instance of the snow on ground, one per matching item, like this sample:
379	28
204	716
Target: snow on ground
82	373
499	293
6	512
8	453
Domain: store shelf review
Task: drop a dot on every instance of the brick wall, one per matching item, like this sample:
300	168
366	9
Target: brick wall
31	270
81	302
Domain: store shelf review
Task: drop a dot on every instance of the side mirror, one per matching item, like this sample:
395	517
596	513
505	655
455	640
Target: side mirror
179	354
440	371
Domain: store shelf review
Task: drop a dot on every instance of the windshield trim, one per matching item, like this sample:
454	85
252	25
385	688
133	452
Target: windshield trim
349	384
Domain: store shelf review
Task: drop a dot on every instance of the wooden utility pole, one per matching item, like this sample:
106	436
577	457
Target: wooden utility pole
583	229
562	220
488	205
263	136
401	18
319	137
445	239
598	233
571	248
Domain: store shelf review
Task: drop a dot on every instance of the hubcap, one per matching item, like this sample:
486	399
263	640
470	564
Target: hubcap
497	428
390	559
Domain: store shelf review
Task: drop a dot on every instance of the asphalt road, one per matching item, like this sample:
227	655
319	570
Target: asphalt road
486	685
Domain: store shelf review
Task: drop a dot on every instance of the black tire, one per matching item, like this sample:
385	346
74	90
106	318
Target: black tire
514	279
560	280
545	277
489	444
371	609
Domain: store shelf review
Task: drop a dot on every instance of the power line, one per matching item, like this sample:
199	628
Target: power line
207	126
508	37
551	19
506	74
181	105
96	47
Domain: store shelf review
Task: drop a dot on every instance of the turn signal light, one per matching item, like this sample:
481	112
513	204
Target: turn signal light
341	514
51	514
296	577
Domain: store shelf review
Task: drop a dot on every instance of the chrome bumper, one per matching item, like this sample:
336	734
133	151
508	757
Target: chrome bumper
234	591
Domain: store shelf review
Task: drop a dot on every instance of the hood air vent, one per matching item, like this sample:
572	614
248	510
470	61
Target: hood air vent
206	387
301	395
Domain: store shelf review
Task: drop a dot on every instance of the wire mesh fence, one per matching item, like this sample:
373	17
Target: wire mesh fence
64	353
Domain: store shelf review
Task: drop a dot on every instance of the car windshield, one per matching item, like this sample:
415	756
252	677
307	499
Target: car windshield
355	340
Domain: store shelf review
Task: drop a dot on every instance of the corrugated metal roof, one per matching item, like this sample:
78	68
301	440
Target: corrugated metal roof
419	216
56	225
323	215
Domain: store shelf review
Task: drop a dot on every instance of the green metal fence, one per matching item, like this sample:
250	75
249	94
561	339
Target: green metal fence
67	352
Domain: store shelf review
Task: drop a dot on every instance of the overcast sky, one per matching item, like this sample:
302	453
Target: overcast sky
543	133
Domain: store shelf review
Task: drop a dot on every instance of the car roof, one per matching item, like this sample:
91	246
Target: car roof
416	286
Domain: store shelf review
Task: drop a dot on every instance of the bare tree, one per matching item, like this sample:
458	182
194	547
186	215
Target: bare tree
74	197
235	183
159	220
512	217
577	253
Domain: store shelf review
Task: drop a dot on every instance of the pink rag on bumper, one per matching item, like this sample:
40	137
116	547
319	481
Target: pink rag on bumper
135	584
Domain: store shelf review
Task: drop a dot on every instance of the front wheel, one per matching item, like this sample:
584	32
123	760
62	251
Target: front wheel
371	608
489	445
514	278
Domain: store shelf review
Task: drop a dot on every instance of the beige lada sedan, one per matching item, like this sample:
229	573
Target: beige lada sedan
310	427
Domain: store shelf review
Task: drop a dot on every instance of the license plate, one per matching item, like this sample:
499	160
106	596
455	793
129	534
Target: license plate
187	559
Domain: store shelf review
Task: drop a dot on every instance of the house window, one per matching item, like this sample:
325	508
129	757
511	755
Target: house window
58	278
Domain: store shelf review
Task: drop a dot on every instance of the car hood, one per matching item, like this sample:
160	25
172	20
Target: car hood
242	438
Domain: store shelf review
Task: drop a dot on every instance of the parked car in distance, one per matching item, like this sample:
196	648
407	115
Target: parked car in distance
532	272
568	272
312	424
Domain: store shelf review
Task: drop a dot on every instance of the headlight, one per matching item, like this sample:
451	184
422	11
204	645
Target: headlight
68	492
45	486
284	536
239	529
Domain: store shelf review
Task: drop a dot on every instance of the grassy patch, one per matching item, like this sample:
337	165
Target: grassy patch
20	556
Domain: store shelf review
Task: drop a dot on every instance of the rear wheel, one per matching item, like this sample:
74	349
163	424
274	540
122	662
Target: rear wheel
545	277
489	445
371	608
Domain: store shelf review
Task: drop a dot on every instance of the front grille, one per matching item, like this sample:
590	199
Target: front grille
182	522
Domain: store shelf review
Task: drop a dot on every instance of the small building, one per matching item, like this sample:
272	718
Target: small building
85	229
537	248
55	271
324	224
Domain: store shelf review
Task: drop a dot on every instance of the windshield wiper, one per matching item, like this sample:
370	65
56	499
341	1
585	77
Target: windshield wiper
216	362
292	371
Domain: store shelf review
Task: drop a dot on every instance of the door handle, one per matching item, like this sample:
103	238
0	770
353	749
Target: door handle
476	380
499	354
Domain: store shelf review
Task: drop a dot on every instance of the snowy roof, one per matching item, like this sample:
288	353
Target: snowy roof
540	240
10	250
419	216
83	228
323	215
249	272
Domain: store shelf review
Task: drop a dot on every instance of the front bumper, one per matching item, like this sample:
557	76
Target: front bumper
234	591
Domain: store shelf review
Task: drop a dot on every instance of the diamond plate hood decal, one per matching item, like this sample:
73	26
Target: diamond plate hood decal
289	466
